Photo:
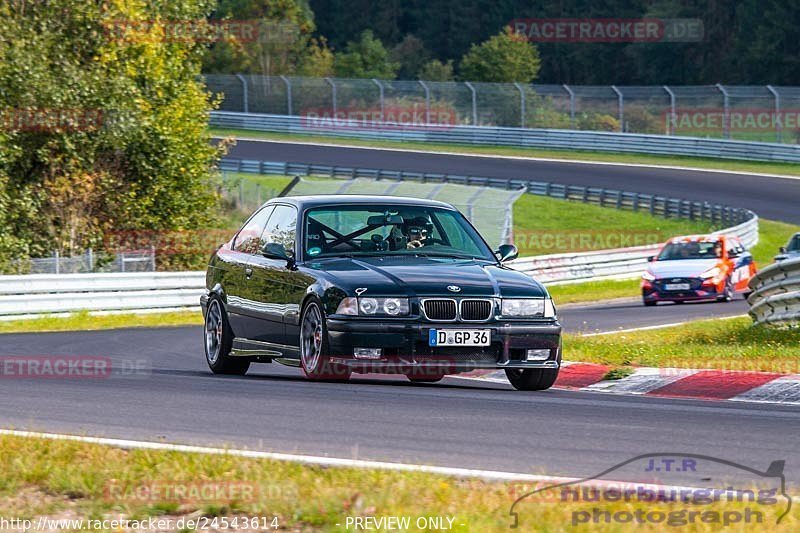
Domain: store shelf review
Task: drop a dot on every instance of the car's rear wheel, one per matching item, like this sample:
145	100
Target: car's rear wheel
532	378
219	340
649	303
314	358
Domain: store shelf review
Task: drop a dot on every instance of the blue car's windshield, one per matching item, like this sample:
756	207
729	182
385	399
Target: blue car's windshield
794	244
361	230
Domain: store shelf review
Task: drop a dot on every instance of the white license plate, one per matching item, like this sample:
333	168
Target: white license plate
459	337
677	286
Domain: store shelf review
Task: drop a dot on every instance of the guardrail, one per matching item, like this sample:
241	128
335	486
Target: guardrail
36	294
520	137
776	293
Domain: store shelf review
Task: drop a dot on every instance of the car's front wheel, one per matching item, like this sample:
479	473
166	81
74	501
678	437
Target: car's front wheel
532	378
314	358
219	340
728	292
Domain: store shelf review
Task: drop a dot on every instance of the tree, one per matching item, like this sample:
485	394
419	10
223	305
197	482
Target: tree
104	123
281	44
411	55
365	58
435	70
506	57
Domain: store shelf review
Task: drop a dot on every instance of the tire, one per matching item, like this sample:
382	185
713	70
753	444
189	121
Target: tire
649	303
314	346
532	378
219	340
727	296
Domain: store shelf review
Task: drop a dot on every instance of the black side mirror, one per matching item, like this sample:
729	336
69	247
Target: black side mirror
274	250
782	249
651	258
507	252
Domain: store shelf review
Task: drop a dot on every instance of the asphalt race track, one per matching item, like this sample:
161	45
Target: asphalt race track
772	198
457	422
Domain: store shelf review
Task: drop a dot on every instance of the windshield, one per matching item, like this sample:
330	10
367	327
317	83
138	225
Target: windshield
384	230
691	250
794	244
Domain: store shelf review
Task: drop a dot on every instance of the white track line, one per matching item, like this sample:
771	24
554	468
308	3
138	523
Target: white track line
528	158
488	475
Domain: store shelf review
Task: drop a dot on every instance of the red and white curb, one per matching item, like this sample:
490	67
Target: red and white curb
733	385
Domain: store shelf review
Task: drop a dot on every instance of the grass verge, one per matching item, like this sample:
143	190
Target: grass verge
60	479
786	169
733	344
83	321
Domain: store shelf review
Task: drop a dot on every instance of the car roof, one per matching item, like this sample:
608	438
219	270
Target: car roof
304	202
696	238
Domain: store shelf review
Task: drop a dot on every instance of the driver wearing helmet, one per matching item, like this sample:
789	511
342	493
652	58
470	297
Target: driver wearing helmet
417	230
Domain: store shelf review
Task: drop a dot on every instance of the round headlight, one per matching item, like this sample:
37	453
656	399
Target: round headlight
368	306
391	306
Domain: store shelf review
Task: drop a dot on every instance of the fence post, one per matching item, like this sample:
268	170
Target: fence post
245	102
474	103
333	94
621	107
288	95
726	117
380	88
521	104
427	102
673	116
571	106
57	261
153	256
90	257
778	121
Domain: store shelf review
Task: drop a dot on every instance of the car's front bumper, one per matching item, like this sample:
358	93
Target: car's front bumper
405	349
698	290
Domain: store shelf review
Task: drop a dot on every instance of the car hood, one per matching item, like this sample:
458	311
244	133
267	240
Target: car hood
681	268
421	276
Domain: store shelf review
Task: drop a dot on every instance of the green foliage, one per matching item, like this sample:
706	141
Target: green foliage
435	70
411	55
506	57
365	58
125	144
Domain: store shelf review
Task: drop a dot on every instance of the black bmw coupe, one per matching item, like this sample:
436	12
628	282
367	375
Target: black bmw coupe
343	284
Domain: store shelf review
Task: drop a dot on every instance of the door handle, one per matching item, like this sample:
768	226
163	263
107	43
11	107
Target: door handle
248	272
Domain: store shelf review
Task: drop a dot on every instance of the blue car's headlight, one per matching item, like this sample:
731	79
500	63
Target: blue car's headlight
373	307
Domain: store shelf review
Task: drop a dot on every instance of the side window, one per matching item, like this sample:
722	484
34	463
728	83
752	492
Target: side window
281	228
247	240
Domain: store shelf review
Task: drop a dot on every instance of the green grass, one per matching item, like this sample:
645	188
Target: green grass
60	479
83	321
788	169
545	225
732	344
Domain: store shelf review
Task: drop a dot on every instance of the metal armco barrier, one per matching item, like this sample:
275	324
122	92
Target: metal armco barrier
520	137
45	293
776	294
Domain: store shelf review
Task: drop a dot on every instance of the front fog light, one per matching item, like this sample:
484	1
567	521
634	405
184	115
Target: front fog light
367	353
541	354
